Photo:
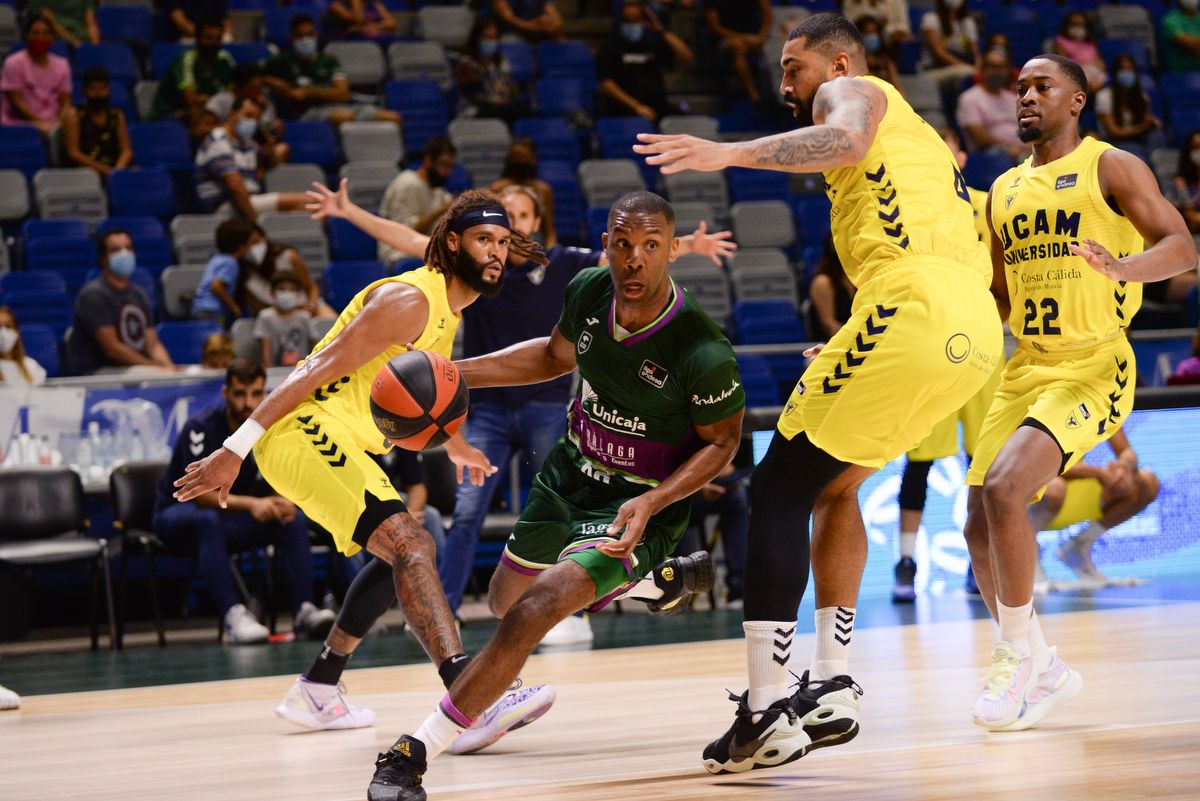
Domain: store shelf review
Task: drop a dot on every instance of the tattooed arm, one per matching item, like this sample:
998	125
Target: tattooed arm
846	111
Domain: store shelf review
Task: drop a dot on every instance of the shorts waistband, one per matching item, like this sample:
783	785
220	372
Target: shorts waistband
919	263
1072	350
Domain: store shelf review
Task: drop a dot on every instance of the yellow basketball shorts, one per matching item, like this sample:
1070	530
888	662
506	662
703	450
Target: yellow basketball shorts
1079	401
921	340
943	440
1082	503
310	458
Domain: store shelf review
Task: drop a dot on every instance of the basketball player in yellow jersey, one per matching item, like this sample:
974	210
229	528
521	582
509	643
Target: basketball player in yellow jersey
922	339
1076	228
313	437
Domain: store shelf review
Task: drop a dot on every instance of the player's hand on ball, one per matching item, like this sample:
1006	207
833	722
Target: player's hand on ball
1099	259
630	524
217	471
679	152
469	462
324	202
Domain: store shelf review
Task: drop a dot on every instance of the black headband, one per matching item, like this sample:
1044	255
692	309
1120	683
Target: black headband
484	215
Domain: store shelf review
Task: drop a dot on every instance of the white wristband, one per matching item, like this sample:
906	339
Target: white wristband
244	438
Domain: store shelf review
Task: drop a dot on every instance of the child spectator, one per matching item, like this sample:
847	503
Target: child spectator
284	330
214	297
218	351
96	134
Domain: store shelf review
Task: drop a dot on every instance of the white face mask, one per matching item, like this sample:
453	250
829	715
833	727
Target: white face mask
8	339
1077	32
286	300
257	253
953	5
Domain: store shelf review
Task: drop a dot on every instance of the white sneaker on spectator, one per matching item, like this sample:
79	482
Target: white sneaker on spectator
9	699
571	631
242	628
313	623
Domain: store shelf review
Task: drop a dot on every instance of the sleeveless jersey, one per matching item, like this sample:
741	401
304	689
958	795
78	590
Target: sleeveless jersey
905	198
642	392
348	398
979	209
1057	299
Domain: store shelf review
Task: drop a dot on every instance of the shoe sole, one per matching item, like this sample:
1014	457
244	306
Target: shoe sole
522	722
754	763
705	577
836	739
304	721
1036	713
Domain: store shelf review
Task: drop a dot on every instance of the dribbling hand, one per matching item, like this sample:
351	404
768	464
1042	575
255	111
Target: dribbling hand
630	523
217	471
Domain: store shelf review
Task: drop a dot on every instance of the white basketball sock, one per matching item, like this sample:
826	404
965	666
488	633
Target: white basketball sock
441	728
1014	625
768	652
831	656
1042	656
908	544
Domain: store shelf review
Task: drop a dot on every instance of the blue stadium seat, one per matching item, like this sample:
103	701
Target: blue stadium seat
812	219
554	140
70	257
1179	87
137	225
247	52
521	64
53	309
161	144
127	24
459	181
35	228
277	23
32	281
768	330
407	265
313	142
345	279
569	59
756	185
423	107
347	242
757	381
22	148
984	167
1111	48
161	56
750	309
786	369
568	199
133	192
251	5
909	56
41	345
558	97
617	136
118	59
1185	120
597	224
184	339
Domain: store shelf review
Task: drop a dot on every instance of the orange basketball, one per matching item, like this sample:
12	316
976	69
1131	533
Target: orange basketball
418	400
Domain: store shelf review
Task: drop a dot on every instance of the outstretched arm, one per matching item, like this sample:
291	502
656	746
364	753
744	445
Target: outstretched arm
528	362
846	111
324	202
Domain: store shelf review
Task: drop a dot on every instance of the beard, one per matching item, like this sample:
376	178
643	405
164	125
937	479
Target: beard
1030	134
801	111
471	272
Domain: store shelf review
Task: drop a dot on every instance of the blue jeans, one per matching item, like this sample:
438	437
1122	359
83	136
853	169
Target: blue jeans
497	430
214	533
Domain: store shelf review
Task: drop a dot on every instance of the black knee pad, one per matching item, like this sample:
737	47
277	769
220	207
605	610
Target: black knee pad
913	484
370	595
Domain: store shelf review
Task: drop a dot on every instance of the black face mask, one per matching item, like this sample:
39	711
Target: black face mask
96	103
522	171
471	273
436	179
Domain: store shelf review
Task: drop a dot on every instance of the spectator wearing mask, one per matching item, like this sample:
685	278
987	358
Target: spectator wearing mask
217	352
362	19
985	111
632	64
742	27
186	16
214	296
892	16
112	326
284	329
535	20
417	198
73	21
951	40
1181	37
879	62
1123	107
520	169
248	82
193	78
36	83
96	134
16	369
1187	182
1076	41
485	83
263	261
310	85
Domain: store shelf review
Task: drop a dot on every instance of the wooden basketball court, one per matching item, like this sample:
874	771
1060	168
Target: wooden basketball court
630	724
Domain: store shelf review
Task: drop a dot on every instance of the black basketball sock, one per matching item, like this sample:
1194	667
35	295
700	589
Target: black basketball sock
328	666
452	668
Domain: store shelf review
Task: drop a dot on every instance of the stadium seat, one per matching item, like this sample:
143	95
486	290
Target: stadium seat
568	198
768	282
368	181
756	185
348	242
1111	48
689	214
567	59
597	224
194	237
482	145
763	224
766	307
1165	163
559	97
53	309
705	282
770	330
759	257
616	137
184	339
362	63
247	52
72	257
694	125
1127	21
757	381
10	28
118	59
984	167
372	141
41	345
138	191
161	144
446	25
138	225
705	187
553	140
162	55
144	93
245	345
22	148
410	61
302	233
345	279
605	180
312	141
812	219
1186	120
14	195
70	192
132	25
32	281
64	228
293	177
179	283
922	92
421	104
521	63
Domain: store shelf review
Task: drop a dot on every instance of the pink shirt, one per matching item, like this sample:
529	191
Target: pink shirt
40	86
996	113
1077	51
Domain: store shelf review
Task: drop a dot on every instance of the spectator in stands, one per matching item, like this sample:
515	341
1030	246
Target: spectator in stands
742	26
36	83
520	169
985	111
228	172
951	40
214	296
1123	107
263	261
879	61
1188	370
831	294
1076	41
1187	182
112	323
284	329
1181	37
536	20
187	16
726	497
309	84
632	64
96	134
362	19
71	20
16	368
193	78
254	516
892	16
417	198
486	86
217	352
248	82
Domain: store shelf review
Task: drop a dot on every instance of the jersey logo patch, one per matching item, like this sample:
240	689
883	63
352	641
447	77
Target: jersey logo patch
1072	420
1066	181
651	373
958	347
1008	201
1083	409
585	342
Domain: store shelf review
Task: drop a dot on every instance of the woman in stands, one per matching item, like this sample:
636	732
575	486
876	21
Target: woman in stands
259	266
16	369
485	80
520	169
1123	107
951	40
1187	182
1076	41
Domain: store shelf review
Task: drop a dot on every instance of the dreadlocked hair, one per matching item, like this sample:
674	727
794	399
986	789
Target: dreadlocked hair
439	256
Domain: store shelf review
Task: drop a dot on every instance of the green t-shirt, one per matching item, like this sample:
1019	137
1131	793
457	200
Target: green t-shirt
1173	24
71	14
319	72
187	72
642	393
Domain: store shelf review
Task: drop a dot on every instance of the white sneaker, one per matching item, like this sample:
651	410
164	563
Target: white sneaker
9	699
518	707
313	705
313	623
570	631
1009	681
1078	556
1054	685
241	627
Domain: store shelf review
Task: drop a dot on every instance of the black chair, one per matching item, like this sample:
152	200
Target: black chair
44	522
134	487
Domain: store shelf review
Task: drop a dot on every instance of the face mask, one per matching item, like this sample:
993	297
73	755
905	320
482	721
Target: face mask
1195	156
436	179
488	48
8	339
1077	32
632	31
257	253
872	42
207	52
1127	79
287	299
995	80
96	103
306	47
122	263
246	129
522	171
39	45
953	5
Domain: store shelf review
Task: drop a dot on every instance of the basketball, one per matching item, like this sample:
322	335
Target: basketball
418	400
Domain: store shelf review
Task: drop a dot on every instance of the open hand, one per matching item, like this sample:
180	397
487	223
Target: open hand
716	246
630	524
469	462
217	471
324	202
679	152
1099	259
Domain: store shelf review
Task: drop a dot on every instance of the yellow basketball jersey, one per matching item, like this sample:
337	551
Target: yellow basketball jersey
1058	301
905	198
979	208
349	397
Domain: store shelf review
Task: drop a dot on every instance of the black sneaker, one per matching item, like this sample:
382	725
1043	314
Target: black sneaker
776	739
680	577
904	591
398	772
828	709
